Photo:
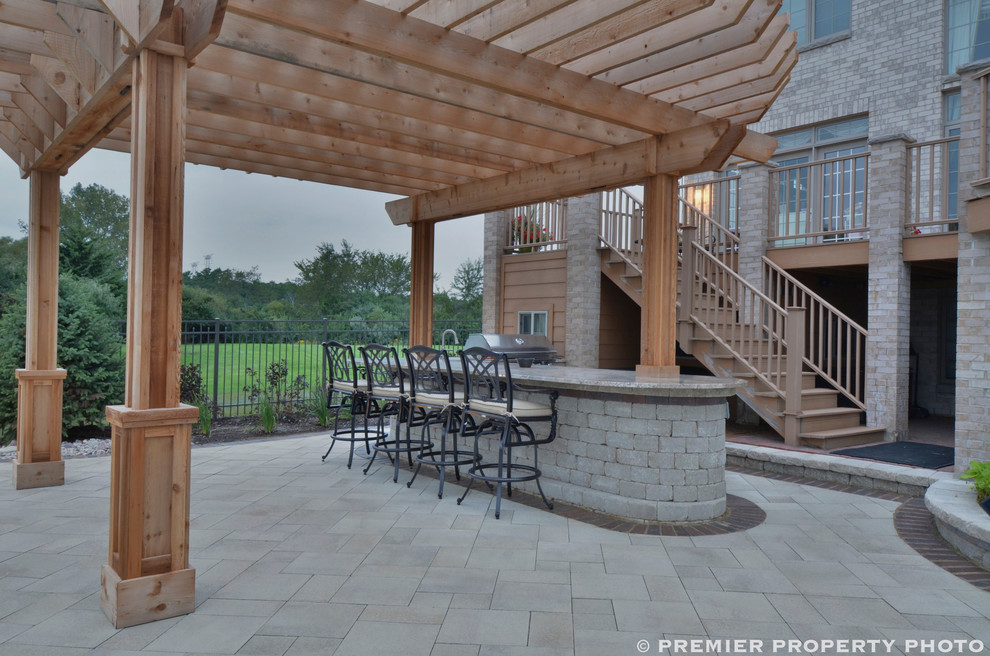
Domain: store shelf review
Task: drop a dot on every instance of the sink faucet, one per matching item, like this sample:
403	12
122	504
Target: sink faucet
443	337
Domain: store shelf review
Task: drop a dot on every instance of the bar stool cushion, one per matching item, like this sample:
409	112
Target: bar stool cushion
441	400
520	408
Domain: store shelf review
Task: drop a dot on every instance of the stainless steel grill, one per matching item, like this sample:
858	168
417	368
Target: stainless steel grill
526	349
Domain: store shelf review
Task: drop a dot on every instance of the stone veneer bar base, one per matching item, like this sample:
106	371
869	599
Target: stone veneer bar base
641	448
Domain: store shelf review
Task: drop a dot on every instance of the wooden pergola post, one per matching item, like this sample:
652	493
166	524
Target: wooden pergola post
421	284
659	321
39	384
148	575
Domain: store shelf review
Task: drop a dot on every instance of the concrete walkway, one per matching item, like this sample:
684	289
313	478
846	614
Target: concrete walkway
295	557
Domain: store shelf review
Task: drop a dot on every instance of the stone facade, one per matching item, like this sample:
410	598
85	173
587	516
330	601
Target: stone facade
889	295
492	288
890	67
650	458
973	300
584	280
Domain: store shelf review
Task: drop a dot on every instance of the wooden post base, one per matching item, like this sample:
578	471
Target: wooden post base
39	428
657	371
38	474
147	576
146	598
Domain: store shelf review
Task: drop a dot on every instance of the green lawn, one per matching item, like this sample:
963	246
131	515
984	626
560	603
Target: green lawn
233	360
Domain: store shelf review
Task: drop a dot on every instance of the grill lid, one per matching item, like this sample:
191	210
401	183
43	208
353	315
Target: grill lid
537	347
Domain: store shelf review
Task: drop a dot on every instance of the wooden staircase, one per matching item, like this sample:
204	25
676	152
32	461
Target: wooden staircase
740	330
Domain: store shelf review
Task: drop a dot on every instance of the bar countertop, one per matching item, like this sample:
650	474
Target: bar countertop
622	382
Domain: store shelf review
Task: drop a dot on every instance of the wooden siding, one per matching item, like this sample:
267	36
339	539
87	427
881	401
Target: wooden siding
619	329
536	282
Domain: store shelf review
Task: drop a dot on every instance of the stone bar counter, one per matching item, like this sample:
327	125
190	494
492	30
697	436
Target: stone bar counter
639	448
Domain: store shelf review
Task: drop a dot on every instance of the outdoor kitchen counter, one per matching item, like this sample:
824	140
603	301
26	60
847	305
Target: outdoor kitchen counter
638	448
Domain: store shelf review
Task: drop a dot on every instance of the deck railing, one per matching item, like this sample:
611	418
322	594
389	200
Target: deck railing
835	345
819	202
737	315
716	238
536	227
622	228
717	198
622	225
933	187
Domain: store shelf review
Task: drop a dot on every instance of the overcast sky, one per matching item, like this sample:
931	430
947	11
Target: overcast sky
244	220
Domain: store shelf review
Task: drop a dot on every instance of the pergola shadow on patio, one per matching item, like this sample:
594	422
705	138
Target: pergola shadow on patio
462	106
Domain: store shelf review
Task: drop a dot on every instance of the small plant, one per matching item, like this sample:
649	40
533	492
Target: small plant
7	434
192	391
276	394
319	407
979	473
266	414
528	232
205	418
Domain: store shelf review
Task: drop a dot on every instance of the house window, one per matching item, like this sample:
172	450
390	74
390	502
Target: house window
816	19
533	323
816	195
968	32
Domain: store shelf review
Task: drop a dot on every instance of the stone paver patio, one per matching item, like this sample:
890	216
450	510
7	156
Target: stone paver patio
298	557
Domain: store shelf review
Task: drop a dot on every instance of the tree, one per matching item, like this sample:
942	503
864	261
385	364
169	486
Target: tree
349	283
465	297
84	255
91	350
102	214
13	270
469	280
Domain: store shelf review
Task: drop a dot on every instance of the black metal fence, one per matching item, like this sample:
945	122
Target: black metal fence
224	351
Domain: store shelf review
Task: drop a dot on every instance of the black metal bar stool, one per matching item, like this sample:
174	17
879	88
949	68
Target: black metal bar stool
433	395
350	393
488	395
387	399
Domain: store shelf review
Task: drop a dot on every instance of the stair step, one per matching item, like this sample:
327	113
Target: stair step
842	437
807	379
826	419
819	398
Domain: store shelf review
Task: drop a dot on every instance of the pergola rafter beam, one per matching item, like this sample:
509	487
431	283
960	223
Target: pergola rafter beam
285	98
271	41
728	63
371	28
707	21
684	150
641	17
328	148
348	137
321	87
747	30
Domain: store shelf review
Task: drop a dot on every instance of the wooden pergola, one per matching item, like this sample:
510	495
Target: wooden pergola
461	106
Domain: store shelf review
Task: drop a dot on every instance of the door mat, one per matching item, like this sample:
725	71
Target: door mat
917	454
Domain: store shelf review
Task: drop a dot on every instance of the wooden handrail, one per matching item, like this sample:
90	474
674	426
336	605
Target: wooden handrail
929	165
741	318
750	321
835	345
812	200
622	225
536	227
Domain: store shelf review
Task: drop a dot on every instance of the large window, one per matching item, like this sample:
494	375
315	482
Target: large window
816	19
821	185
968	37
